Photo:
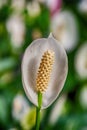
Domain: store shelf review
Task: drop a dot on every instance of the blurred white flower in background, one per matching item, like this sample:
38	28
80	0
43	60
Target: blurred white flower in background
33	8
2	3
82	6
20	107
23	112
64	28
57	109
18	5
16	28
83	97
81	61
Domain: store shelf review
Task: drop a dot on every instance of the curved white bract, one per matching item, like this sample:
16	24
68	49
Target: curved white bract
30	65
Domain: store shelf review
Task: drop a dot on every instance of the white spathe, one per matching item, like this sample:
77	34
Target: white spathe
81	61
64	28
20	107
30	65
16	28
57	109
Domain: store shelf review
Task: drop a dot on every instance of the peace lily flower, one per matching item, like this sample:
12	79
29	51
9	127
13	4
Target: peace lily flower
16	28
65	29
57	109
30	73
23	112
20	107
44	70
81	61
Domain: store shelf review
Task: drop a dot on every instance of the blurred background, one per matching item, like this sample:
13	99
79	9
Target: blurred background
21	22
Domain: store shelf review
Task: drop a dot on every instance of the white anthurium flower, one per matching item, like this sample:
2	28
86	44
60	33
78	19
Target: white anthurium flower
30	65
83	97
16	28
82	6
81	61
64	28
57	109
20	107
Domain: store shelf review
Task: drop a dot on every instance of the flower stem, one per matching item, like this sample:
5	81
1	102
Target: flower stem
38	111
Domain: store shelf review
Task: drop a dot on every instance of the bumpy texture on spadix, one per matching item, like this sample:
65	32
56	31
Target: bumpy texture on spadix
31	63
44	71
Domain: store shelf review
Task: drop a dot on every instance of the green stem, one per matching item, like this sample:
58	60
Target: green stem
38	111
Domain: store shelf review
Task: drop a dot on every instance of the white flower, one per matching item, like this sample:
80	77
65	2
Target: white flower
33	8
57	109
30	65
83	97
82	6
64	28
81	61
16	28
20	107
